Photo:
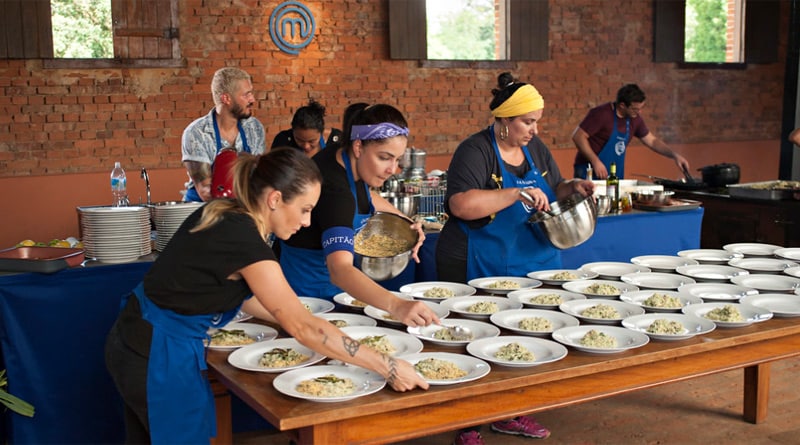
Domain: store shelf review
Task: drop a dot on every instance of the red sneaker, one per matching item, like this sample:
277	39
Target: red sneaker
470	437
522	426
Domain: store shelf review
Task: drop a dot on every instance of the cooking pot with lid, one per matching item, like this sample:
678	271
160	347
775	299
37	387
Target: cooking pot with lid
720	175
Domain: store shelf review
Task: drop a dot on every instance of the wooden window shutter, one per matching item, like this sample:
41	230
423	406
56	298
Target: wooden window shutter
528	29
761	31
669	23
26	31
407	29
145	29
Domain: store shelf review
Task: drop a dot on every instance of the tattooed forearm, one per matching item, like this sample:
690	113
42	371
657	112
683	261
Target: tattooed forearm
324	336
350	345
392	369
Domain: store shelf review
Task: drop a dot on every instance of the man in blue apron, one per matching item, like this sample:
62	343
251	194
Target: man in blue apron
230	124
604	134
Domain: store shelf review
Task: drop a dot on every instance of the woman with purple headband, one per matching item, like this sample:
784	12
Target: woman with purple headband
318	260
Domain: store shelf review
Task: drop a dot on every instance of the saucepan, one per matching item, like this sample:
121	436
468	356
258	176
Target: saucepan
720	175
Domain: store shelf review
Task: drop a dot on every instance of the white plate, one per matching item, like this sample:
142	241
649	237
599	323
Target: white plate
510	320
403	343
366	381
762	265
768	282
752	249
717	291
257	332
381	315
693	325
580	287
575	307
626	338
544	351
241	316
546	276
711	273
485	283
461	304
710	256
639	298
751	314
656	280
793	271
479	330
475	367
350	319
663	263
525	296
781	305
417	290
612	270
349	301
317	305
247	357
789	253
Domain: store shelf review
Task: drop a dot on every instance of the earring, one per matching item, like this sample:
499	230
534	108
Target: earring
503	132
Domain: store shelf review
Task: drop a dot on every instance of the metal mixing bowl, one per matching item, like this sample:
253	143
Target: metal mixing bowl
405	202
652	196
569	222
396	226
603	204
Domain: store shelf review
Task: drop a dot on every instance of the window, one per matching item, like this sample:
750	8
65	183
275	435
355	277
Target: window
142	32
690	31
469	29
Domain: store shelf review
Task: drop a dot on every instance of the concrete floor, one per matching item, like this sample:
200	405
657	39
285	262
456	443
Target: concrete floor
706	410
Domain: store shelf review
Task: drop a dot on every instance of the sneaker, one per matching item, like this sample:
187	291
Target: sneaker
521	426
470	437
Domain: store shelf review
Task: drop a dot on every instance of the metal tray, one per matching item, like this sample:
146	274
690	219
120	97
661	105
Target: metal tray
764	190
39	259
673	205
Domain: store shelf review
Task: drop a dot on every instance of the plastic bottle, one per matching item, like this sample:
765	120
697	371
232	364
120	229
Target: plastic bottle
612	187
119	186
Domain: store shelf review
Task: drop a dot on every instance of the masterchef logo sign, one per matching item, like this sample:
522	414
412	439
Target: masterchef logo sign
291	27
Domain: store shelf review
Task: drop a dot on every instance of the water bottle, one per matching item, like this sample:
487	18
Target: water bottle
118	186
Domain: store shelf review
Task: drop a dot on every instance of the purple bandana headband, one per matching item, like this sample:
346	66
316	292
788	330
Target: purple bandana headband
384	130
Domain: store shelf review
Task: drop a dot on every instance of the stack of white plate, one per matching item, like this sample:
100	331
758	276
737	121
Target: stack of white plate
168	218
115	234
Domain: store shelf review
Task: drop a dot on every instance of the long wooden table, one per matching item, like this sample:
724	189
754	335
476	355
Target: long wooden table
388	416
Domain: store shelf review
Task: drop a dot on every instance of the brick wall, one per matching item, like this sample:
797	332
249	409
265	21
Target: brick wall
56	121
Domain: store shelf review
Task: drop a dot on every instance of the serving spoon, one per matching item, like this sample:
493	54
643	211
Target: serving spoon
458	332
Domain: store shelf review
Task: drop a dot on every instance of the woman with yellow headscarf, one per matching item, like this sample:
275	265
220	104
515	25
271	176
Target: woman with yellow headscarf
487	233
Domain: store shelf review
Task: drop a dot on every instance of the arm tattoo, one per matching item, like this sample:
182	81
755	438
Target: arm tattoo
392	369
350	345
324	336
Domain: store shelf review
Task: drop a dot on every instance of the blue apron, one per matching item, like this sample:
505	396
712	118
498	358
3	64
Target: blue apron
305	269
508	245
180	404
613	151
191	194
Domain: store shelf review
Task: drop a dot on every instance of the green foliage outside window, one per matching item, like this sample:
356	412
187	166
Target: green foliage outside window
82	29
706	25
464	30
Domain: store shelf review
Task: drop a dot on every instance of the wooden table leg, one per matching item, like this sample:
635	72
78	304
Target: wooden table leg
222	404
756	392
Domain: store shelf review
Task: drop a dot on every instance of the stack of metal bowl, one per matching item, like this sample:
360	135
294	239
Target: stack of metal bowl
398	228
407	203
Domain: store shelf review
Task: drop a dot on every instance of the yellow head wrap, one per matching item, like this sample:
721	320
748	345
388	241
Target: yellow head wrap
523	101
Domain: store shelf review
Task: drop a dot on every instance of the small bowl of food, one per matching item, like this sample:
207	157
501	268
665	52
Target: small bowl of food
382	248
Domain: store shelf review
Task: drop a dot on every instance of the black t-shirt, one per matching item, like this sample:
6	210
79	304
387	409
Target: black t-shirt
286	139
335	207
472	166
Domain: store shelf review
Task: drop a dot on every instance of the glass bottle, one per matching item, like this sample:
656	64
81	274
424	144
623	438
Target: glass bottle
612	187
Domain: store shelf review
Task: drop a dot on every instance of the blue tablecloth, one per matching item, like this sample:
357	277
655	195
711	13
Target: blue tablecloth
616	238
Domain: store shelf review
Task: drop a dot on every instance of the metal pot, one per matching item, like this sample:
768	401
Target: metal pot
405	202
396	226
569	222
720	175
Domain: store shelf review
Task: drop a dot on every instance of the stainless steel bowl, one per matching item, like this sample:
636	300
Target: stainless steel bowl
603	204
396	226
405	202
652	196
569	222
